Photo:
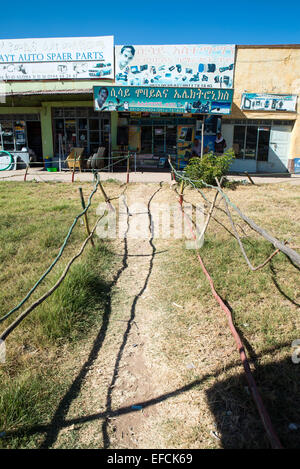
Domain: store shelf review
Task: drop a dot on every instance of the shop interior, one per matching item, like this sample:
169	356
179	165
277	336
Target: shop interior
81	128
22	133
155	137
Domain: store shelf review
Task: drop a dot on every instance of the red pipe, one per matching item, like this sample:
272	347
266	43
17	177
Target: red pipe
273	438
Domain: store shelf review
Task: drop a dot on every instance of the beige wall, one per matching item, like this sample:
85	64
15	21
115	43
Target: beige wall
268	69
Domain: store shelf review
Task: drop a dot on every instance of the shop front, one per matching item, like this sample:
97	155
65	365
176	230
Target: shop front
260	145
166	97
153	101
156	123
80	127
155	137
18	134
19	131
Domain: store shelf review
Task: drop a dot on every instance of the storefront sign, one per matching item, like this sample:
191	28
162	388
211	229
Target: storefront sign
52	58
200	65
268	102
157	99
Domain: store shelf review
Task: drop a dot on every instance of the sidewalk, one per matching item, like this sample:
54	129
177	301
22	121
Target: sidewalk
66	176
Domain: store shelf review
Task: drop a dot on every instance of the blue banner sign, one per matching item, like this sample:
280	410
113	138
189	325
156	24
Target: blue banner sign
268	102
158	99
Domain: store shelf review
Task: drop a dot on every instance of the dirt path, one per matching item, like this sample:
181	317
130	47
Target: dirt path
140	377
120	370
162	371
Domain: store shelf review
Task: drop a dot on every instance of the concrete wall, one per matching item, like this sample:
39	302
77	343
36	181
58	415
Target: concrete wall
268	69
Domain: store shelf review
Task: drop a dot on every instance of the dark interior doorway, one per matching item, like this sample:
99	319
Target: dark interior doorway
34	138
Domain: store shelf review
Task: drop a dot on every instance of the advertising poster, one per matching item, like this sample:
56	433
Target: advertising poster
199	65
157	99
53	58
268	102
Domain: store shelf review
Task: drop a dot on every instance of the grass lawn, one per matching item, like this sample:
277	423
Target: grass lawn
188	335
266	310
34	220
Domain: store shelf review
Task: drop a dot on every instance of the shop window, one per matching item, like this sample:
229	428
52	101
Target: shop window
159	140
7	135
239	140
94	124
251	142
20	134
171	139
146	139
122	136
13	134
86	129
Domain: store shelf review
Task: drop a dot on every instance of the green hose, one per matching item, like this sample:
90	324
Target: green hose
11	160
96	183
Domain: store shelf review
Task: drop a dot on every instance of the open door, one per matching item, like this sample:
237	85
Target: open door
278	150
34	138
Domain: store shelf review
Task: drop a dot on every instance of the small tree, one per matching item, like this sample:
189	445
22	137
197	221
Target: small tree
209	167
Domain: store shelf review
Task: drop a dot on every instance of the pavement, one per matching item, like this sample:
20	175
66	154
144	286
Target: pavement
139	176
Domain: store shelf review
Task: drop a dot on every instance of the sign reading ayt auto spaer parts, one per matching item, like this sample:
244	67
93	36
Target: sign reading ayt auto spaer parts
57	58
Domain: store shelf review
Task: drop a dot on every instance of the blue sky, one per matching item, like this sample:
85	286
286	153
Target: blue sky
156	22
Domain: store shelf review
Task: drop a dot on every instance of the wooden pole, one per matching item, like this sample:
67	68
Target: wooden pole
86	222
128	167
250	178
181	192
73	172
25	175
172	172
105	197
293	255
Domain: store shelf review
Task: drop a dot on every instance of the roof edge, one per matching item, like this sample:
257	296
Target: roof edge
268	46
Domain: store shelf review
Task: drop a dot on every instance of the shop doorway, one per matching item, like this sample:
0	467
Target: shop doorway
157	142
34	138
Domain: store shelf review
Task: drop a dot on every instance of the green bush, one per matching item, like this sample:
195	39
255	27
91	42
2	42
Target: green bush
209	167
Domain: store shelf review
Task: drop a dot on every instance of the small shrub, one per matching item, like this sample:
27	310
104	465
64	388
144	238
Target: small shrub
209	167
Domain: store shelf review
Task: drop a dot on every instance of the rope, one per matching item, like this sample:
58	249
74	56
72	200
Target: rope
22	316
110	165
275	443
97	182
293	255
8	166
240	242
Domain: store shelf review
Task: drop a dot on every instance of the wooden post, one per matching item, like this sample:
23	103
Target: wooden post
181	192
25	175
86	222
172	172
293	255
250	178
105	197
73	172
128	167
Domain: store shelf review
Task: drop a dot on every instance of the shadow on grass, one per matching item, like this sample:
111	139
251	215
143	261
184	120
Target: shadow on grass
106	440
58	419
237	421
278	286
